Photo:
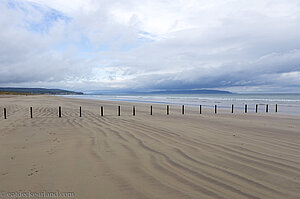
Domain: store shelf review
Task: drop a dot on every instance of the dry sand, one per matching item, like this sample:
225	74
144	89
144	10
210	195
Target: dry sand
177	156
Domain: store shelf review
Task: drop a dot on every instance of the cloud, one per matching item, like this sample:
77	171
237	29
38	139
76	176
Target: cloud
105	45
28	46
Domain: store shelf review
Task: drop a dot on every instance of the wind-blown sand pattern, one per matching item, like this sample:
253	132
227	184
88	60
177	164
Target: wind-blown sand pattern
223	156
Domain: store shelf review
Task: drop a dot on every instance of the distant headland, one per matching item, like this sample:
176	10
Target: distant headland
188	91
200	91
36	91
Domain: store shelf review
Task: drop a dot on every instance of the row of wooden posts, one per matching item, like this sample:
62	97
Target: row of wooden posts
151	112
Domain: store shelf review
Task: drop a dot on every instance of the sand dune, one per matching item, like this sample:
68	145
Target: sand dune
211	155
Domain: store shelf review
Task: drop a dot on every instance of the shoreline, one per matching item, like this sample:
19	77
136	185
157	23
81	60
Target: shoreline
239	105
158	108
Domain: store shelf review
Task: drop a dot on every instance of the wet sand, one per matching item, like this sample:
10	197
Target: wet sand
210	155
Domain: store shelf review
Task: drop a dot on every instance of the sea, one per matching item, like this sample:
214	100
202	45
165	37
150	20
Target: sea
286	103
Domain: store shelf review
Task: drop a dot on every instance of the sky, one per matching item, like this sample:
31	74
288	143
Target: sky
143	45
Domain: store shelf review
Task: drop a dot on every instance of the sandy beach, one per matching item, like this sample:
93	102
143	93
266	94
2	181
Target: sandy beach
224	155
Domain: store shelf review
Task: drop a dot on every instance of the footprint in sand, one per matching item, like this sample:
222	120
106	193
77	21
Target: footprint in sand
56	140
33	171
5	173
51	151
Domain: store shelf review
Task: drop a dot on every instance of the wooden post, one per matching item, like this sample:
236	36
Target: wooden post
168	110
80	111
256	108
246	108
150	110
276	108
4	113
133	110
267	108
215	109
101	111
182	109
30	112
119	110
200	109
232	108
59	111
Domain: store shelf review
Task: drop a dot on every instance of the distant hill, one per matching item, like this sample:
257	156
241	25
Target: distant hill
12	90
202	91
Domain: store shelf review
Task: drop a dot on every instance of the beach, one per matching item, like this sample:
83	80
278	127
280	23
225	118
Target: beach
159	156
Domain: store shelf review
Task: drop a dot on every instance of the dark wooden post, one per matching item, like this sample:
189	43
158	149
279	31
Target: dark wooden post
276	108
119	110
182	109
150	110
215	109
246	108
267	108
232	108
200	109
59	111
101	111
4	113
30	112
168	110
133	110
256	108
80	111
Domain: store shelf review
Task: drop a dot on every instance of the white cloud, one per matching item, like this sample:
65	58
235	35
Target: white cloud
151	44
